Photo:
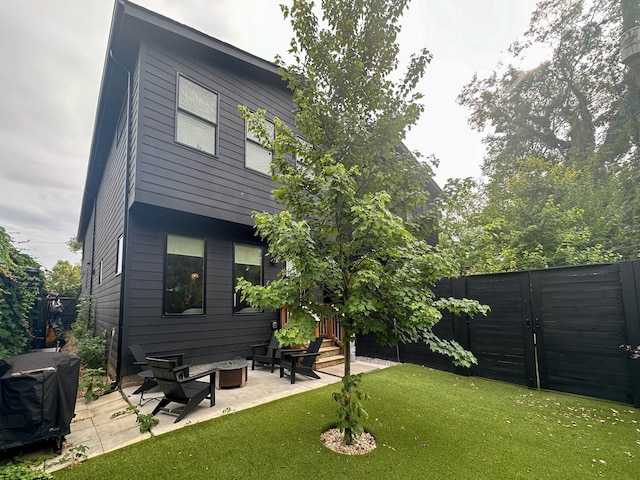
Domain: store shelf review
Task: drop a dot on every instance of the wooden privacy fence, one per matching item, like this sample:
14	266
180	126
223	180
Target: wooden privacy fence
557	329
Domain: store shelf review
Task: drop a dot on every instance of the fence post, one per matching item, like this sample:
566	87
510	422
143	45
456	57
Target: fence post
530	289
630	280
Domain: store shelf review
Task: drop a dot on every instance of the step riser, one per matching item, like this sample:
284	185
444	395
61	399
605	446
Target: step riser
329	352
327	364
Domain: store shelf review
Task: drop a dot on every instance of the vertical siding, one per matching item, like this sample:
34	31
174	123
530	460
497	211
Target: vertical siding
175	176
217	335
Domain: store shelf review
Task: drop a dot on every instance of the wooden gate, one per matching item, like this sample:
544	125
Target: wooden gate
579	323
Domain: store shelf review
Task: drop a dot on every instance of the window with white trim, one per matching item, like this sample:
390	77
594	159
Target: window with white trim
257	157
196	116
184	276
247	263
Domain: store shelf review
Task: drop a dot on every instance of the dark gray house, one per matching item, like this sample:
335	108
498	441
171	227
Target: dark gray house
172	180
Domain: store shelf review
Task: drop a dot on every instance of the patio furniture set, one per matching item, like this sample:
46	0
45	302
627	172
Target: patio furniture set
172	376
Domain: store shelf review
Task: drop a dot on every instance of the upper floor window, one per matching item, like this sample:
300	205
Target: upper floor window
247	263
184	276
258	157
197	116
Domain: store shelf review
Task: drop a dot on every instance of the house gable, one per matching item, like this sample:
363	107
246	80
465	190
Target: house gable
136	34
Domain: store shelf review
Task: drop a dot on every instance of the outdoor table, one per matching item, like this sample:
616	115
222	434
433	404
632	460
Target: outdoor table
231	373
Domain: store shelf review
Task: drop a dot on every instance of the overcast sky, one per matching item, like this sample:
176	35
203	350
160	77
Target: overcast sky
52	54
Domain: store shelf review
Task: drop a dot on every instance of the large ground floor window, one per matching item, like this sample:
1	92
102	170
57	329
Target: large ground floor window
184	276
247	263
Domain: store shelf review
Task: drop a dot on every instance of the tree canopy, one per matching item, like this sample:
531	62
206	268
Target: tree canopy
562	159
64	279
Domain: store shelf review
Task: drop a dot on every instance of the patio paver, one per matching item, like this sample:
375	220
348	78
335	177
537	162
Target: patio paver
95	427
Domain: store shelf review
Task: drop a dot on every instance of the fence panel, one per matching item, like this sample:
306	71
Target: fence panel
502	341
580	323
630	279
68	316
419	353
557	328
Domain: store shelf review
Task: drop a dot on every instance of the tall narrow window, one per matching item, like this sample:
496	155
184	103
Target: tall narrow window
184	276
119	255
258	157
100	274
247	263
197	116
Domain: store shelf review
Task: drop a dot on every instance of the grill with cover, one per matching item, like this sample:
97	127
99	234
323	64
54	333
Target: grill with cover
37	398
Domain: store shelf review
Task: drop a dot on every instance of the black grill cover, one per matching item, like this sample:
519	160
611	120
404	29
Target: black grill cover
37	397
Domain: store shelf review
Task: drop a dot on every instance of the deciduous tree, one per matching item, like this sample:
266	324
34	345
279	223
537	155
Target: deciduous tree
64	279
575	109
345	188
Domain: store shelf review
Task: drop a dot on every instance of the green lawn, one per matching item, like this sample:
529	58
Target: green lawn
428	425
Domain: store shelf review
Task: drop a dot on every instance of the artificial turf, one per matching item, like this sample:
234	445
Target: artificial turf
427	424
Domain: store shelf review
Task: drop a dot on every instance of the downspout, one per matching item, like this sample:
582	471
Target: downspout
125	227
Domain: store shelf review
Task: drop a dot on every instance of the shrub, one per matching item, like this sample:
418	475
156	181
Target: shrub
18	469
92	381
90	348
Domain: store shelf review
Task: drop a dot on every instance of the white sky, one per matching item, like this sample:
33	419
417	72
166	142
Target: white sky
52	53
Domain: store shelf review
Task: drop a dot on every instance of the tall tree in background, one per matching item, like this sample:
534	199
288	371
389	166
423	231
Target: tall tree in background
349	253
630	177
575	110
64	279
531	221
20	287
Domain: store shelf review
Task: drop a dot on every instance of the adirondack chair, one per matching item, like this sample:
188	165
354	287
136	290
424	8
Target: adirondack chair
300	361
178	387
140	360
266	353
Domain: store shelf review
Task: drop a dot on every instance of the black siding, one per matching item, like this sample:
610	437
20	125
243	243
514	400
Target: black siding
216	335
174	176
109	223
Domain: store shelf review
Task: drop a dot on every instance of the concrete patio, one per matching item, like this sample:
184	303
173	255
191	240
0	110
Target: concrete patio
105	424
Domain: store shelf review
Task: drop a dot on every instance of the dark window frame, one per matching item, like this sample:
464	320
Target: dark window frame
203	274
236	295
255	142
193	115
